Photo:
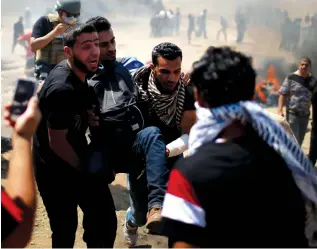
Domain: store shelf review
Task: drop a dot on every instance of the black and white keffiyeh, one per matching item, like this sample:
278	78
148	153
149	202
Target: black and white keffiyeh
168	107
210	122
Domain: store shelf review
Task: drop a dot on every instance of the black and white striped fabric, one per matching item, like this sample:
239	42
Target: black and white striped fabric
210	122
168	107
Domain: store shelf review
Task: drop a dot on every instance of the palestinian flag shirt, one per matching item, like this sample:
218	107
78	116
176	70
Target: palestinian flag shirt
237	193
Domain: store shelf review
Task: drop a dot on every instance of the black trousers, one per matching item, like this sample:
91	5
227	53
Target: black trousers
63	189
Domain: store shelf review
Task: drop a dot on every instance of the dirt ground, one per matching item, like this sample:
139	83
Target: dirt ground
132	35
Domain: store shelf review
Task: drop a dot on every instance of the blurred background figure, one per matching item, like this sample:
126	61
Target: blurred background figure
25	41
177	21
18	29
28	18
202	24
241	25
191	27
223	29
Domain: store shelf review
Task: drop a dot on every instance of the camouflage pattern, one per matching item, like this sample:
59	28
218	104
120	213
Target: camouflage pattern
299	97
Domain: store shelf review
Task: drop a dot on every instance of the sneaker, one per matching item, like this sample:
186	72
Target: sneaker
130	233
154	220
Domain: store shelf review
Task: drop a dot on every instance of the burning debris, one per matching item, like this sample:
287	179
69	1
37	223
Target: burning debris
267	89
271	75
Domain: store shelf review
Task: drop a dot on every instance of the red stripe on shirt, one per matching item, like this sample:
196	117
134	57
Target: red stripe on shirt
12	208
179	186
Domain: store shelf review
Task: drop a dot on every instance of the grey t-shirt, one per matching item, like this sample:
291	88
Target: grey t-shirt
299	93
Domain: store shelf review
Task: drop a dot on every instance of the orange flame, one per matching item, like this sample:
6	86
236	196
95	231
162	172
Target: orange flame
275	85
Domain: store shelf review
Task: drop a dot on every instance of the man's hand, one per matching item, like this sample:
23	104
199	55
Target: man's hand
25	125
93	119
186	78
167	152
280	112
60	28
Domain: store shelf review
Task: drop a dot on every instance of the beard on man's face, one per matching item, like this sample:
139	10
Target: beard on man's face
81	66
165	87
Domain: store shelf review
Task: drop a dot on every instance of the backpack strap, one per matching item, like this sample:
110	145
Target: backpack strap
309	83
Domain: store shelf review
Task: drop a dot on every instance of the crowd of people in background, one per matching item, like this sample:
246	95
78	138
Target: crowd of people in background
167	23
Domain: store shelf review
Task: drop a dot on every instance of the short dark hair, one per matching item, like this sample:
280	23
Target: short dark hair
100	23
166	50
76	30
306	58
223	76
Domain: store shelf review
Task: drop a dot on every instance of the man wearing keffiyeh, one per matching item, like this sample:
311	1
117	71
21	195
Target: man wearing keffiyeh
171	113
246	178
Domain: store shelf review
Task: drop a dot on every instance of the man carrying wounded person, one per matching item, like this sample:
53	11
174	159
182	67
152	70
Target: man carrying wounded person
60	148
146	144
171	111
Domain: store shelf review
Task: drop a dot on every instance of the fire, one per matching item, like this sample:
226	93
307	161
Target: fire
269	87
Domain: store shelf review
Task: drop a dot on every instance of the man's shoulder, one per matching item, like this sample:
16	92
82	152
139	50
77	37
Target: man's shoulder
121	68
43	20
59	72
190	88
211	160
54	89
58	79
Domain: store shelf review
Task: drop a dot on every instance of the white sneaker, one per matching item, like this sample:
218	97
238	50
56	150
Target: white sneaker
130	233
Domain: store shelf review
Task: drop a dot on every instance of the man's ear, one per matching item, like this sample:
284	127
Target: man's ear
67	51
152	66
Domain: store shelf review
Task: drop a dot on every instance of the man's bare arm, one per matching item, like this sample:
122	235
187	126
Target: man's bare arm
20	185
188	120
60	145
281	104
180	145
41	42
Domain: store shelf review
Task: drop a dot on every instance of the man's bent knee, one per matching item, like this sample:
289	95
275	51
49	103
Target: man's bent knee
150	131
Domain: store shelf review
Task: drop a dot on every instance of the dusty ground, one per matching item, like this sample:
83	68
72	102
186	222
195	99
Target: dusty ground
132	34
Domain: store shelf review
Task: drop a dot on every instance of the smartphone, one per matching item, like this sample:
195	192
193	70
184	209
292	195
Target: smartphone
25	89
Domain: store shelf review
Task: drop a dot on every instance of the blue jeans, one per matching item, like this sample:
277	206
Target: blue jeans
147	190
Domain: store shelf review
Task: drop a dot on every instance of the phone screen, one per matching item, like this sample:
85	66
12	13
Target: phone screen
24	91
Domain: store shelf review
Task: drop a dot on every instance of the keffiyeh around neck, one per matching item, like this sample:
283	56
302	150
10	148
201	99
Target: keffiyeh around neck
168	107
210	122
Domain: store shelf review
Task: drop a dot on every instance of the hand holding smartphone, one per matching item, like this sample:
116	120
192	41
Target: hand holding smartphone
25	89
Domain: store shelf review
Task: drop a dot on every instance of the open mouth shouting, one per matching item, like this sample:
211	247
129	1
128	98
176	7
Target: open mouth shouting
93	63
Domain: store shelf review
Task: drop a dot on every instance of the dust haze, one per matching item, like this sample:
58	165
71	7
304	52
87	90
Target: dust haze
131	20
261	35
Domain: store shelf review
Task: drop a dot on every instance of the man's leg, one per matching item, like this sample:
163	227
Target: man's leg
302	128
148	189
100	220
293	122
136	214
15	41
150	145
57	188
205	32
218	34
225	34
313	145
138	194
